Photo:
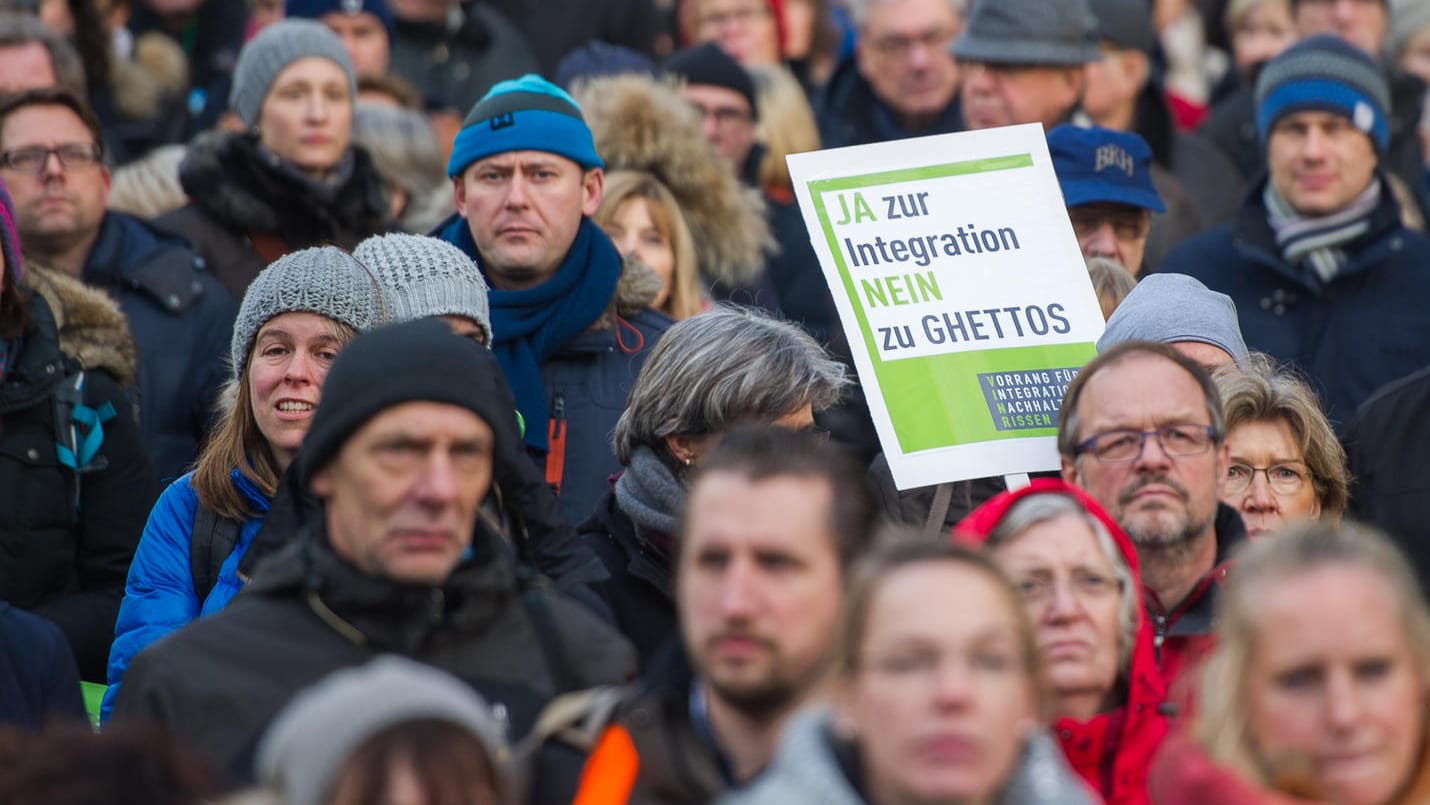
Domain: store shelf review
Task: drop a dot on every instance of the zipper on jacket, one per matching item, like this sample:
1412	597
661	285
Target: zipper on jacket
556	444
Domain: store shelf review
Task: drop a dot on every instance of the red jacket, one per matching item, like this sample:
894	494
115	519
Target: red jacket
1113	751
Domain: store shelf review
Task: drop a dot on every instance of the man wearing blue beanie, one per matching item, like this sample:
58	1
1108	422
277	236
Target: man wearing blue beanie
1324	274
570	318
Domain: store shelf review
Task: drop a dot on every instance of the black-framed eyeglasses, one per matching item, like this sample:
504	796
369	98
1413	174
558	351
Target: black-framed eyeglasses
1284	479
1116	446
32	158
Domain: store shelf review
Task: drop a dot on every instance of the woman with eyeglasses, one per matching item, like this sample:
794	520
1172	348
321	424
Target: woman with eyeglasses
1286	462
938	694
708	373
1076	573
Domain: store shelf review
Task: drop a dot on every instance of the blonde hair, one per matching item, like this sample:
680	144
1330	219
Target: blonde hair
236	442
621	186
1111	281
1259	392
786	124
1221	725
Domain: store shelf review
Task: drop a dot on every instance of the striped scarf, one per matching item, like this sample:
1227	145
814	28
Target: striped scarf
1318	241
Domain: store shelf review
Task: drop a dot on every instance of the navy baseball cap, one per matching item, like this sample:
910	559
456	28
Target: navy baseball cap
1102	165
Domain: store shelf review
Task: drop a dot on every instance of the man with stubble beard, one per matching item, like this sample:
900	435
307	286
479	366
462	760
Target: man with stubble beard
773	520
1142	431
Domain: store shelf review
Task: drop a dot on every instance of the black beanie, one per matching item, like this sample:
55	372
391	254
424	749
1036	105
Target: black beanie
708	64
419	360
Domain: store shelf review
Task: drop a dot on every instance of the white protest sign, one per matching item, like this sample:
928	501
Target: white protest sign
963	293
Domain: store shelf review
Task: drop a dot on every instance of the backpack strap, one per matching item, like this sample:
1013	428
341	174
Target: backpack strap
553	650
577	719
212	541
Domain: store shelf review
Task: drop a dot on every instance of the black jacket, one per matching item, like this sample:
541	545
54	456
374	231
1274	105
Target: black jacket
217	683
847	112
640	592
38	680
455	65
66	538
235	194
1388	447
182	321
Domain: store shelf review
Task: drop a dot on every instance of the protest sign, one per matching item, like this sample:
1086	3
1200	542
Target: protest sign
961	288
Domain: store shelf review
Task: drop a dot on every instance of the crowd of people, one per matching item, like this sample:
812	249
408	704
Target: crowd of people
441	401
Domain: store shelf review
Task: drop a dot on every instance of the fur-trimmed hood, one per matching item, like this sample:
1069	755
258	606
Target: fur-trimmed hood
641	124
92	330
225	174
156	73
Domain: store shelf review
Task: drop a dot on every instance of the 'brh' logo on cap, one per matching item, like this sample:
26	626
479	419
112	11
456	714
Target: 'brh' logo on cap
1113	156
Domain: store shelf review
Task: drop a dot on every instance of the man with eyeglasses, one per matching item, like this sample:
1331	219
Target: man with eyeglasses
902	81
1106	179
52	159
1021	61
1142	431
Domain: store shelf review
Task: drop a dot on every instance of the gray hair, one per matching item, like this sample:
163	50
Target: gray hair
18	28
1047	506
405	151
859	10
721	368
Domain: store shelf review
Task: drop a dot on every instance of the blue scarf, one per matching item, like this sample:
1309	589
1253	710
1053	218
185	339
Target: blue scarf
530	326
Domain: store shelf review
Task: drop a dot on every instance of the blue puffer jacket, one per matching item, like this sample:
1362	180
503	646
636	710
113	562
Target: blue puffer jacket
1366	327
159	596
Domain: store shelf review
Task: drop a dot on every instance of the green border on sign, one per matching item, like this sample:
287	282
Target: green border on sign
936	401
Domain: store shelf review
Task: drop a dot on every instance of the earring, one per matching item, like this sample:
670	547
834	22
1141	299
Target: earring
687	461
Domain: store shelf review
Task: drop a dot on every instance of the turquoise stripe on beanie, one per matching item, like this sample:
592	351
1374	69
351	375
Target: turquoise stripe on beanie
524	114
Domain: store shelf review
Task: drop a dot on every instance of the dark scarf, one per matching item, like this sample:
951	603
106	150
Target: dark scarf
1317	242
649	493
531	325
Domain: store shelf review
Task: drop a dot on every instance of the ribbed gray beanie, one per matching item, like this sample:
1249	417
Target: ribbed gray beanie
1167	308
307	744
325	280
1049	32
274	48
427	277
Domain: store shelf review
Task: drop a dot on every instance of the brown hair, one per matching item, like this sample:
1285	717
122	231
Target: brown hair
622	186
903	547
1259	392
236	442
128	763
1068	420
448	762
53	96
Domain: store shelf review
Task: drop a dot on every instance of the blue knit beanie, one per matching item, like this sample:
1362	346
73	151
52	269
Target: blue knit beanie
524	114
1328	74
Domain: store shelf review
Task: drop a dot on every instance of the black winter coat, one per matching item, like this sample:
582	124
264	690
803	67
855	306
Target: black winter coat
1388	446
63	563
640	592
219	682
1366	327
454	66
236	193
38	680
182	321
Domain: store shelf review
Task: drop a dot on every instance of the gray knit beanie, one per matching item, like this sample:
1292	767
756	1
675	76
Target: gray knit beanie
427	277
1048	32
273	49
1167	308
325	280
308	743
